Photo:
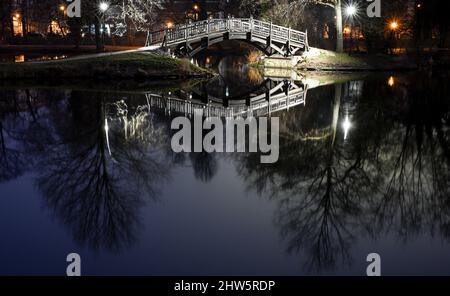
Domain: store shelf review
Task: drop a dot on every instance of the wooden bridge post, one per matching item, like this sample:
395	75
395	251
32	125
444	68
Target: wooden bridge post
306	40
270	38
270	30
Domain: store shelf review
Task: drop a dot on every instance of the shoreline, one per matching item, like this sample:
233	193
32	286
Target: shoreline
135	65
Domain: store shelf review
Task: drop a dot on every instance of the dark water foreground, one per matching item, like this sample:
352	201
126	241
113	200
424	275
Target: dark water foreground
363	167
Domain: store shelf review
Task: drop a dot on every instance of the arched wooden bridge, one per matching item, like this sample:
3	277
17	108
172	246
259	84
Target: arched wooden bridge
190	39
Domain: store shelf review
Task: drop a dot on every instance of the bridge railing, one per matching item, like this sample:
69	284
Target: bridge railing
197	30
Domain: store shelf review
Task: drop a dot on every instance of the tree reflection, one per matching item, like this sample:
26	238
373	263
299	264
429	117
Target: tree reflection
19	123
95	193
205	165
418	185
391	174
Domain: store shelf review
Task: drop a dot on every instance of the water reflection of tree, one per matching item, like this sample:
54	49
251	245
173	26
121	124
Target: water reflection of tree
331	190
19	124
415	198
98	195
205	165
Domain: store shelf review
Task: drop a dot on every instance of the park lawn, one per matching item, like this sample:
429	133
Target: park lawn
127	65
325	60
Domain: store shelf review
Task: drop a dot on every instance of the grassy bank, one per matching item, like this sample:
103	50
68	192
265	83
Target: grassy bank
324	60
122	66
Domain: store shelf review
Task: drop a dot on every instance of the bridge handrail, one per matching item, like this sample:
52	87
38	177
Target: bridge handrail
187	32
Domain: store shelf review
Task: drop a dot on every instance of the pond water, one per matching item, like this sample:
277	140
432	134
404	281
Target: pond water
31	57
363	168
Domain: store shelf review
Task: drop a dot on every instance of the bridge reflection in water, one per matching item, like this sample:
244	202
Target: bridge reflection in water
275	95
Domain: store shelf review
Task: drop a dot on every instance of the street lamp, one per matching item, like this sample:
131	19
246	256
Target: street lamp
103	6
393	25
169	25
350	10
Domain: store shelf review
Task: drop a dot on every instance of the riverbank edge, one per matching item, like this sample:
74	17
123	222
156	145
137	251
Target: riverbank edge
136	65
329	61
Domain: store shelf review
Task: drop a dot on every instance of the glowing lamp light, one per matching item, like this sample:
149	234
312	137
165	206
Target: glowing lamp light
17	15
195	7
350	10
169	25
393	25
62	8
104	6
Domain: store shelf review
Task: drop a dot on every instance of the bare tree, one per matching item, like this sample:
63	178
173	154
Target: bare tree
137	15
337	6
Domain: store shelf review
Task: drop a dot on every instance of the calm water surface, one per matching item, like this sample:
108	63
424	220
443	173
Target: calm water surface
363	167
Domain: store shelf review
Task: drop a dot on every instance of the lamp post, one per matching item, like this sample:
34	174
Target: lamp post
196	10
103	6
393	26
351	11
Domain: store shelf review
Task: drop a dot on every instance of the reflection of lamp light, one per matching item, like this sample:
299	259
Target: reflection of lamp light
346	125
391	81
107	136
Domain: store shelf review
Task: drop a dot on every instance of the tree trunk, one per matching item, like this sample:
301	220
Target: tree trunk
339	34
98	37
2	30
9	17
24	9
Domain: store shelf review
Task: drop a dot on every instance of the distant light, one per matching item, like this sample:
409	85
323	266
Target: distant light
169	25
62	8
104	6
391	81
196	7
393	25
419	5
350	10
17	15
